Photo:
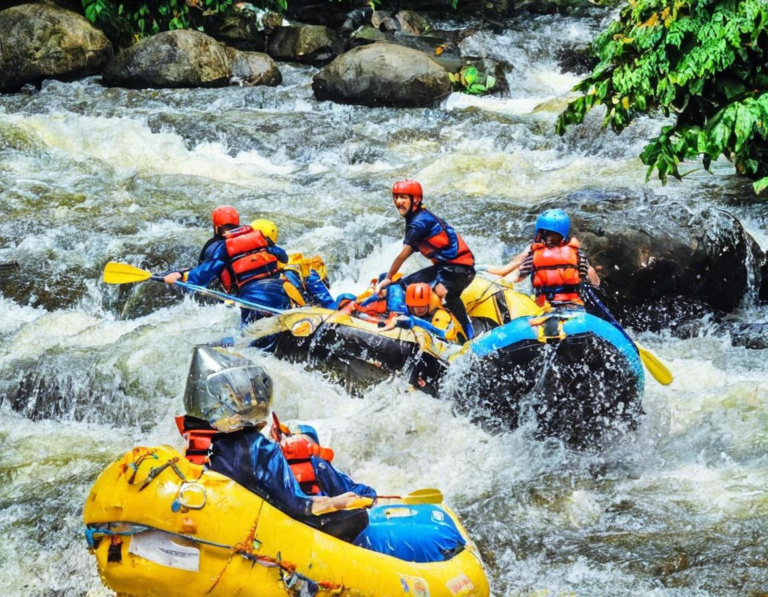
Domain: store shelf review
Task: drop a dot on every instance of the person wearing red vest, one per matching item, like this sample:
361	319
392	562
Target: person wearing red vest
554	261
245	262
453	263
232	396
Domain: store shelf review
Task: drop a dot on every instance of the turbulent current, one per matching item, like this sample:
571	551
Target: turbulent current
88	174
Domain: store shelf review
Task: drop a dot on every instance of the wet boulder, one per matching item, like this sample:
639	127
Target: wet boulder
39	41
382	74
253	68
310	44
179	58
657	256
246	27
366	35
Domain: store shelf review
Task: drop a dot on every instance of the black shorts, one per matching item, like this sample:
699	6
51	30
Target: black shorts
454	277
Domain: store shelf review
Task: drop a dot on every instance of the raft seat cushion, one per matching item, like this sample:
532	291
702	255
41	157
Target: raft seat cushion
414	533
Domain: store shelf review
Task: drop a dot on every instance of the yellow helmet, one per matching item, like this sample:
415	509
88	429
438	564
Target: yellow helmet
267	228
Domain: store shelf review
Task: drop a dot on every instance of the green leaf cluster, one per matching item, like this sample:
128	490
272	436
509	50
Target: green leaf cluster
704	61
470	80
127	21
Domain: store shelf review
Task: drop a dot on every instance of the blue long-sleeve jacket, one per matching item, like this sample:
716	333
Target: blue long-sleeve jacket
258	464
263	291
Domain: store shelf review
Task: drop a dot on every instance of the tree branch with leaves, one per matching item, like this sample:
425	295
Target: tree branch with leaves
703	61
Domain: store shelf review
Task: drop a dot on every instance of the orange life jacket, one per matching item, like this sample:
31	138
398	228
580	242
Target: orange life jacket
298	448
429	247
555	273
248	258
198	441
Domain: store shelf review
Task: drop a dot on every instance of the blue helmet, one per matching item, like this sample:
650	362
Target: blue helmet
554	220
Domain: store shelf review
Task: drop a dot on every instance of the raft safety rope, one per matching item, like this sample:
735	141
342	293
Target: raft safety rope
294	582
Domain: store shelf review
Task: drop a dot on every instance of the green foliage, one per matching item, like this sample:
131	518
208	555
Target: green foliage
127	21
705	61
470	80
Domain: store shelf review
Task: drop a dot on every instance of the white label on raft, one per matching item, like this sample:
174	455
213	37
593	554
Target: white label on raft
159	547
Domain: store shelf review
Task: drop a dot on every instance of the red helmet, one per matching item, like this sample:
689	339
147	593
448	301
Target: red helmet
418	295
224	214
409	187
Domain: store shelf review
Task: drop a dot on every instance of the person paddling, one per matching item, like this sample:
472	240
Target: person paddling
234	396
554	261
245	262
453	263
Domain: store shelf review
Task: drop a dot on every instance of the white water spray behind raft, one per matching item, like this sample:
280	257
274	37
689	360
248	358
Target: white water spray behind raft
87	174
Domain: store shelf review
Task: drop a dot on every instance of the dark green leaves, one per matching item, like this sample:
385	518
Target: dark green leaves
705	61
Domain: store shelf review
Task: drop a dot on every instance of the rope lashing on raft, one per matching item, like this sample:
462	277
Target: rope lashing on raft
94	533
294	582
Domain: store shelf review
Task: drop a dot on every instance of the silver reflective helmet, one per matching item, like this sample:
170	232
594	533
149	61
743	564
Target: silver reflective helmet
226	389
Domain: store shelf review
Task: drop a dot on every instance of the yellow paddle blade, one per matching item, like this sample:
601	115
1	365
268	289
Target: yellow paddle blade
655	366
122	273
424	496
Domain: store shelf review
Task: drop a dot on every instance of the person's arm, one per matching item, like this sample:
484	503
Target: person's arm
507	269
393	322
394	268
278	252
336	483
592	276
203	274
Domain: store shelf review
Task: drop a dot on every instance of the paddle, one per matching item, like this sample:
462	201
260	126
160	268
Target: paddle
122	273
655	367
420	496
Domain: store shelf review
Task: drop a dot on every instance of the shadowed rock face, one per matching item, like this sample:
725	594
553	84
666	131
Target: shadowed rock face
38	42
653	253
178	58
382	74
310	44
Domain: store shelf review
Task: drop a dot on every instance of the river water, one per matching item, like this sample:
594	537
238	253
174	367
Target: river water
89	174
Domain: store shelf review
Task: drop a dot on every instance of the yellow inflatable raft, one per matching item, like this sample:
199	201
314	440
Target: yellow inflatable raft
162	526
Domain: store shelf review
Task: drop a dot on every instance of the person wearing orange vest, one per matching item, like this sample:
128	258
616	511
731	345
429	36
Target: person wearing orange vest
555	263
246	263
233	396
426	311
453	263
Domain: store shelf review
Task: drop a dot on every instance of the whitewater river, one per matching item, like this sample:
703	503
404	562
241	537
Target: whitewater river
89	174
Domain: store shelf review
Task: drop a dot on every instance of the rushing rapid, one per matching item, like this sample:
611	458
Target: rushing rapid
88	175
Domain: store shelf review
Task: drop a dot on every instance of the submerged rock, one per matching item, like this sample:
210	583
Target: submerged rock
39	41
178	58
382	74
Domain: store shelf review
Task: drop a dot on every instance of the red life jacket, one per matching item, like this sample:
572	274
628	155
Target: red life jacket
555	273
198	441
248	258
298	448
429	247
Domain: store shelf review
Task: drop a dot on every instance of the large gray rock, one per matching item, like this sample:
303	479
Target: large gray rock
310	44
178	58
382	74
39	42
660	258
253	68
